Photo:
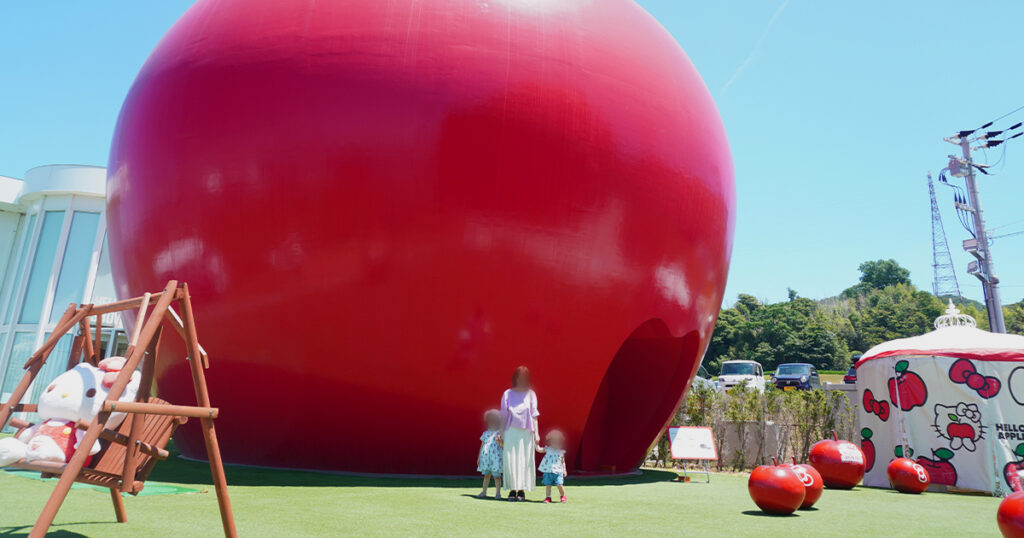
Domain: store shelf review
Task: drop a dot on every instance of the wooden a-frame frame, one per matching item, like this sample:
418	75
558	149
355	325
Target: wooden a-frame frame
142	349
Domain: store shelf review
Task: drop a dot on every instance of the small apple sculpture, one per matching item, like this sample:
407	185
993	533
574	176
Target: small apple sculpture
1011	515
907	388
907	476
776	489
841	463
811	479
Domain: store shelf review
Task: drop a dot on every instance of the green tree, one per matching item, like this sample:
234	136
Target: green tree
1013	316
878	274
882	306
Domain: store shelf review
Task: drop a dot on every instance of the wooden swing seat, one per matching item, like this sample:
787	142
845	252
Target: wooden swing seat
108	465
129	452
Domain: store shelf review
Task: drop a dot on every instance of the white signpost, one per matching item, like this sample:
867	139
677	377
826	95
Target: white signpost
693	443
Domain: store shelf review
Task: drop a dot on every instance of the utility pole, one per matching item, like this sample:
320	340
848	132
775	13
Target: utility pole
979	247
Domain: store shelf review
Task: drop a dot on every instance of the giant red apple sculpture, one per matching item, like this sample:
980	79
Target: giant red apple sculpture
382	208
841	463
1010	515
776	489
907	476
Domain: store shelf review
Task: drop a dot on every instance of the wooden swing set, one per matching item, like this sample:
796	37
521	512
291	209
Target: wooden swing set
132	449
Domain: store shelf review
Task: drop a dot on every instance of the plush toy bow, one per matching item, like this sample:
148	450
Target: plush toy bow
111	366
963	372
876	407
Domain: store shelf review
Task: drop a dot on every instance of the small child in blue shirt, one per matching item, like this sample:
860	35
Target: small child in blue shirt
488	460
553	465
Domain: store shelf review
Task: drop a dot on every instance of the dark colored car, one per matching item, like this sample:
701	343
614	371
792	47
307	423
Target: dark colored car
851	376
796	376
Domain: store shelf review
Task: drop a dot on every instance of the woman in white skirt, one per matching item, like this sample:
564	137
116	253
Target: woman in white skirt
520	435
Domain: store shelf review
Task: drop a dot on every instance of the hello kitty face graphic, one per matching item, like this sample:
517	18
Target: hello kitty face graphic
960	424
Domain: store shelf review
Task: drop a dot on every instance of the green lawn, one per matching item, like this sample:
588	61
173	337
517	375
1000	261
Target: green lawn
279	503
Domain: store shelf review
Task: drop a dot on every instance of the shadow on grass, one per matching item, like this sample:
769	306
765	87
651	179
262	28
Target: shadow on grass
758	513
502	500
178	470
23	530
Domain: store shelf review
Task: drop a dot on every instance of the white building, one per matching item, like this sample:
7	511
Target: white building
53	251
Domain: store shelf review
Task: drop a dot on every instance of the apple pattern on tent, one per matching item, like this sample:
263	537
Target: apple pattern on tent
1011	469
867	446
938	466
907	389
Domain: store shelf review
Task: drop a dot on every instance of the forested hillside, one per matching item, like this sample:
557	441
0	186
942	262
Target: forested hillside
826	333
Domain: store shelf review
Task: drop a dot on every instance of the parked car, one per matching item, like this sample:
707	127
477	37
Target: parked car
736	372
796	376
851	376
703	379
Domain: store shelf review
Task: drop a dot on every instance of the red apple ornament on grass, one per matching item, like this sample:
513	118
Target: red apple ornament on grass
776	489
907	476
1010	516
841	463
812	483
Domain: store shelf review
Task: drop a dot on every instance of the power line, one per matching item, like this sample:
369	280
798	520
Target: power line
1018	109
994	143
987	135
989	124
1011	234
1011	223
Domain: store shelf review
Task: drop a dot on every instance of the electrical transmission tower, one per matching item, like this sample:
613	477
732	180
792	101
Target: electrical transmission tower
944	283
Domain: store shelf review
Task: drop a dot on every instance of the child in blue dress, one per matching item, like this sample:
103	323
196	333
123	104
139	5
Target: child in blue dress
488	461
553	465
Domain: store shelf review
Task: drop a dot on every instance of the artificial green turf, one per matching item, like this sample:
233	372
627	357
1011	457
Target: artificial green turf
280	503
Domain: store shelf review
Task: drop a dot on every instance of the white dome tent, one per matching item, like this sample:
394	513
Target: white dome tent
952	400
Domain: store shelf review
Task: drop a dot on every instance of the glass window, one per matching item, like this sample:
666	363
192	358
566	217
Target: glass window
56	364
26	242
738	368
120	345
103	291
3	366
793	369
74	269
20	352
21	349
42	264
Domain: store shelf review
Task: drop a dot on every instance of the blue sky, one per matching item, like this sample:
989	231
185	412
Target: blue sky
834	110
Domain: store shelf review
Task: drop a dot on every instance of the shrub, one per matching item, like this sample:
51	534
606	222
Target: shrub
794	420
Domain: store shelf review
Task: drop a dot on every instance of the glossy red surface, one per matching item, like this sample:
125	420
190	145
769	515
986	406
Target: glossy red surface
907	476
382	208
1010	515
841	463
813	484
776	489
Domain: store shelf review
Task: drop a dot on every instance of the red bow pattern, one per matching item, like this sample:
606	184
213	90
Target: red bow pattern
876	407
964	372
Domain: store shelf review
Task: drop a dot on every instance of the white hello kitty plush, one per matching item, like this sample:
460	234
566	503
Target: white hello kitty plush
77	394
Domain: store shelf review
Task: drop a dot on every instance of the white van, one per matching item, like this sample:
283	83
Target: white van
736	372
